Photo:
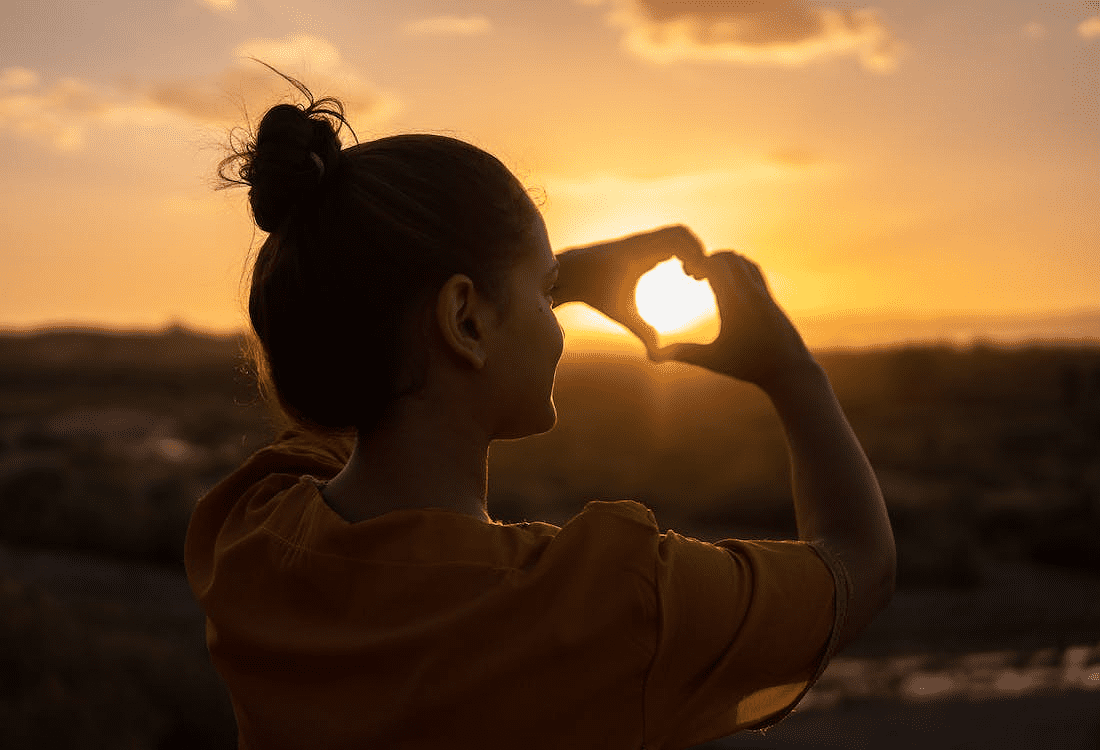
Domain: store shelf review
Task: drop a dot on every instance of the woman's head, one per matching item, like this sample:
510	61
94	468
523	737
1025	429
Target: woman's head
361	240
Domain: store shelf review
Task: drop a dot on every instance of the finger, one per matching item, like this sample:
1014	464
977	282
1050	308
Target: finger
724	271
648	338
698	265
694	268
755	274
679	242
671	241
634	323
688	246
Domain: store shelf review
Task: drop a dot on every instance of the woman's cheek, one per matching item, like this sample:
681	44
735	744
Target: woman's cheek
559	336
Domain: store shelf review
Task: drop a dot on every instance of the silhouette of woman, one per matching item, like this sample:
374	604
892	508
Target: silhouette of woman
357	592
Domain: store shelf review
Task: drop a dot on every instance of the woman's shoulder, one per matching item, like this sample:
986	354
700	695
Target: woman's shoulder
320	454
607	535
294	452
627	512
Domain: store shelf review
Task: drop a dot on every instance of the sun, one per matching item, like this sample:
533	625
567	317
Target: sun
674	303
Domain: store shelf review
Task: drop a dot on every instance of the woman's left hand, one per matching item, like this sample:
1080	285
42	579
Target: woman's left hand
604	275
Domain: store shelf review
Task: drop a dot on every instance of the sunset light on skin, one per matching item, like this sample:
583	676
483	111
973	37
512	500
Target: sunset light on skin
913	159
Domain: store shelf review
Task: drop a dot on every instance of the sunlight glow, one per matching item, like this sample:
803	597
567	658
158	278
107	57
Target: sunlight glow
671	301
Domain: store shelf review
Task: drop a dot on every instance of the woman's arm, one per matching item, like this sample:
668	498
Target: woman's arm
837	499
836	495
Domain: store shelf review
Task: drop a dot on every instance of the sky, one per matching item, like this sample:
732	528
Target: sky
920	159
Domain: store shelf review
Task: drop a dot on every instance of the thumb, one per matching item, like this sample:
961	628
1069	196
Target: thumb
634	323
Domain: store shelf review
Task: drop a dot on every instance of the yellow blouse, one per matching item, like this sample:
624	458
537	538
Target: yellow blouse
433	629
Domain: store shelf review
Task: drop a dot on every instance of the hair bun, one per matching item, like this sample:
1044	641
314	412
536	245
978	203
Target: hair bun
292	152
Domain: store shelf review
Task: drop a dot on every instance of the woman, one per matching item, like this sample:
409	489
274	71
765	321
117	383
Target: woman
358	593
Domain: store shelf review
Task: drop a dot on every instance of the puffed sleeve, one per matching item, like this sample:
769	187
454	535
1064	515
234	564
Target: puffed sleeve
744	628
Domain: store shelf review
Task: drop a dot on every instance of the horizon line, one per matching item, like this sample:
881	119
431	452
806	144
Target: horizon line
972	341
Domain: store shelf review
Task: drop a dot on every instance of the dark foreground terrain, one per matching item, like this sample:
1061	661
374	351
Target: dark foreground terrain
989	458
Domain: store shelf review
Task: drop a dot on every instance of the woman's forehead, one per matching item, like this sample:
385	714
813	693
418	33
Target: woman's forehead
541	244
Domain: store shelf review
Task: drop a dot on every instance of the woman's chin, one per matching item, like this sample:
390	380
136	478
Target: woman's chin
536	423
550	418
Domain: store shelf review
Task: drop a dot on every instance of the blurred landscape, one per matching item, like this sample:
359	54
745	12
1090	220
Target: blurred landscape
989	457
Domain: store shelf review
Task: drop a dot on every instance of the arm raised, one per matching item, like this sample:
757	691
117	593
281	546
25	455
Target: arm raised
837	498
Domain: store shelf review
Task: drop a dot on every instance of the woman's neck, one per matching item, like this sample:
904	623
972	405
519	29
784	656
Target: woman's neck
422	458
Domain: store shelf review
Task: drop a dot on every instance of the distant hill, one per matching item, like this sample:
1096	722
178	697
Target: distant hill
100	348
852	329
863	329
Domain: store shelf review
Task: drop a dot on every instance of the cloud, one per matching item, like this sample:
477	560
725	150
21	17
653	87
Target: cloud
449	26
314	61
1089	28
57	114
13	79
753	32
297	51
221	5
61	113
1034	30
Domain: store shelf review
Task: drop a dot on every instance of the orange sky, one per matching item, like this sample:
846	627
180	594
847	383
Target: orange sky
909	158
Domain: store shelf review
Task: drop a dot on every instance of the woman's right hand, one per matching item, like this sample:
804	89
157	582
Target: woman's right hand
605	275
757	343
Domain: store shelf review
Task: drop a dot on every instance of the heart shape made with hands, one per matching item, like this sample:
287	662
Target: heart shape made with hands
680	308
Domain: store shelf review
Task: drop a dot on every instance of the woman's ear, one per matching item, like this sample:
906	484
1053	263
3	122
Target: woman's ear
462	316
